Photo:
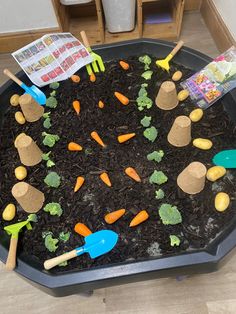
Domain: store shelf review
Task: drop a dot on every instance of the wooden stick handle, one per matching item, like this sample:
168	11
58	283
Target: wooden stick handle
177	47
50	263
12	76
85	39
11	259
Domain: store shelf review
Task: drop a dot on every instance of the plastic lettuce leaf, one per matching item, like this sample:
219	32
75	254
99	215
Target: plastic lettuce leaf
142	91
54	85
147	75
159	194
50	243
32	217
151	133
169	215
47	123
158	177
146	60
174	240
156	155
54	209
53	180
50	139
64	237
51	102
146	121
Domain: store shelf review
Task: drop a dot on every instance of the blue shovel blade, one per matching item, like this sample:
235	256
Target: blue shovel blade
99	243
225	158
36	93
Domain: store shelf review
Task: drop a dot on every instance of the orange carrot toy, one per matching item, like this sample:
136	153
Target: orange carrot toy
104	177
75	78
82	229
72	146
139	218
125	137
123	99
79	183
114	216
92	77
97	138
101	104
131	172
124	65
76	106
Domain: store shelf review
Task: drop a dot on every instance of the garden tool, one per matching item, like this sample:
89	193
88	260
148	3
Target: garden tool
96	244
225	158
14	230
34	91
97	63
164	64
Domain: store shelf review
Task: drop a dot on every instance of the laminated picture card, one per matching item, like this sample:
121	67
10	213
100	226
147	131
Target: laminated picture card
52	58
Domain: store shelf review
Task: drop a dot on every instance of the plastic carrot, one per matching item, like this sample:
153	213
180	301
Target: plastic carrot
82	229
76	106
101	104
125	137
131	172
139	218
114	216
124	65
79	183
75	78
104	177
97	138
72	146
92	77
124	100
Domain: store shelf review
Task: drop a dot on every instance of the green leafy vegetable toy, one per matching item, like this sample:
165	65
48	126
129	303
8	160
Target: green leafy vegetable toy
159	194
46	157
64	237
156	155
174	240
146	60
51	243
54	85
169	215
147	75
53	93
47	123
151	133
53	180
65	263
54	209
50	139
146	121
32	217
158	177
143	101
51	102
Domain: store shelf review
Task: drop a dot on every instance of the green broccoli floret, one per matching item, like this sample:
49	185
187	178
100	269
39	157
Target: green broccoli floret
174	240
53	180
146	121
159	194
51	102
146	60
151	133
50	243
64	237
54	209
54	85
169	215
147	75
50	139
156	155
158	177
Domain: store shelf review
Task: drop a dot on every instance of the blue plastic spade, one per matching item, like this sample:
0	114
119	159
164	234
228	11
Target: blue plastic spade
225	158
34	91
96	244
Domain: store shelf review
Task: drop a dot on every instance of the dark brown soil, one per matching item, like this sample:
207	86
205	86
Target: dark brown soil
201	222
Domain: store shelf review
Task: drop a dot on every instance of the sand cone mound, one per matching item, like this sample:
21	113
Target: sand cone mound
180	132
29	152
192	179
30	108
167	96
29	198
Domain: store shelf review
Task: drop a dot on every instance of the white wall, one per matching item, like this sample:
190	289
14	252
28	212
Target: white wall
24	15
227	10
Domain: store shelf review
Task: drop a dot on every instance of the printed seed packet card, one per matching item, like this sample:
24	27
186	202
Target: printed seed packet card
214	81
52	58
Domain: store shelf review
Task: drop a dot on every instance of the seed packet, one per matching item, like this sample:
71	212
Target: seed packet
52	58
214	80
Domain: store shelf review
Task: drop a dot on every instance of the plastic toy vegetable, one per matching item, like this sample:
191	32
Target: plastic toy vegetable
146	60
183	94
123	99
79	183
169	214
82	229
114	216
64	237
46	157
177	76
125	137
139	218
131	172
53	180
50	139
21	173
156	155
101	104
76	106
97	138
92	77
214	173
51	102
222	201
9	212
151	133
51	243
147	75
159	194
74	147
174	240
146	121
54	85
54	209
104	177
143	101
124	65
196	115
14	100
19	117
75	78
158	177
47	123
202	143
